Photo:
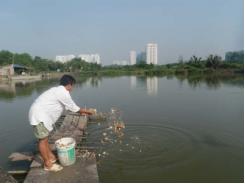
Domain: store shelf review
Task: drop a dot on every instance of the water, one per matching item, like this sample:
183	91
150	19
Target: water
176	129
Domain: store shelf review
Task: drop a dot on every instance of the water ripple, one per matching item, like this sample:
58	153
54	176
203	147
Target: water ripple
147	145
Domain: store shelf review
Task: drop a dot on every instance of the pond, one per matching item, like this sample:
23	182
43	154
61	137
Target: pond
177	129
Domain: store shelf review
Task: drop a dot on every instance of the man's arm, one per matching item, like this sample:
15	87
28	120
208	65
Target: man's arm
66	100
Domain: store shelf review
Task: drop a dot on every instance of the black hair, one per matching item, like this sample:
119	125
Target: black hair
66	80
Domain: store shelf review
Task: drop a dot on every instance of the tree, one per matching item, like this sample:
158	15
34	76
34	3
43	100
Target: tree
195	60
23	59
213	61
6	57
40	64
77	65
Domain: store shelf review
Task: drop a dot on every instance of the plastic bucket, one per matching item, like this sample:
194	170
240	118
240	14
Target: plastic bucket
66	150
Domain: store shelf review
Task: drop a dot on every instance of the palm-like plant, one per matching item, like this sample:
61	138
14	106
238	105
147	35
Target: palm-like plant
195	60
213	61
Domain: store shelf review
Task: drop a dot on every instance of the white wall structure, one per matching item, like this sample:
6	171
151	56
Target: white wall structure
132	57
90	58
7	70
151	53
64	59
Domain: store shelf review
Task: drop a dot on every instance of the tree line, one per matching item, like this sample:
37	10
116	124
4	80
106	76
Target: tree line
233	60
211	62
38	64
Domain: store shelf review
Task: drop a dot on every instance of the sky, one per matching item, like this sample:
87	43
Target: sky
112	28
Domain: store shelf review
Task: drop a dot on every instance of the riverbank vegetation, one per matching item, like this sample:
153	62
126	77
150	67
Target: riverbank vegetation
232	64
195	65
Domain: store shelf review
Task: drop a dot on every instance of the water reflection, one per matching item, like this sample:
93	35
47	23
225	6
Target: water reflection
133	82
87	81
150	83
214	81
193	130
10	89
94	81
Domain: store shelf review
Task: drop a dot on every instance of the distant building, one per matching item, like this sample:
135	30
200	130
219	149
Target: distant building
120	62
90	58
7	70
132	57
236	56
141	57
151	53
13	69
64	59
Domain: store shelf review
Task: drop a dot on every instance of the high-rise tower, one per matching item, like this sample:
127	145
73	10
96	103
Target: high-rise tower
151	53
132	57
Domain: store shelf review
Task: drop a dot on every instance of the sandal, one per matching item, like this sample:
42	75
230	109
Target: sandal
53	161
54	168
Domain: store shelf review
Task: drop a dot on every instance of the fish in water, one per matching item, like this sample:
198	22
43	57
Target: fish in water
118	127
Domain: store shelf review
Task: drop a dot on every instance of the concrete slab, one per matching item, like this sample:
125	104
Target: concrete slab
83	171
5	177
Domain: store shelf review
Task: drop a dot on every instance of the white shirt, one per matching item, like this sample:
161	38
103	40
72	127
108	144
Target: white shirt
49	106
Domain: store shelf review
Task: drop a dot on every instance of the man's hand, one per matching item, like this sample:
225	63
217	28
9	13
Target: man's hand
87	111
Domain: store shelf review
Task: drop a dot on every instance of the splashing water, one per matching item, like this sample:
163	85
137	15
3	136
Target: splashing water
112	135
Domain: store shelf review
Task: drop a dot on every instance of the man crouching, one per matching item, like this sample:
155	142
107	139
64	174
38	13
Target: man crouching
45	111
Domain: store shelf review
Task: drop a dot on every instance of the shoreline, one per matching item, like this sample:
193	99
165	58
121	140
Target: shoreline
163	72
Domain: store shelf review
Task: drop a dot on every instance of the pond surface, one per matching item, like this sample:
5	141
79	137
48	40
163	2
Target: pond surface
177	129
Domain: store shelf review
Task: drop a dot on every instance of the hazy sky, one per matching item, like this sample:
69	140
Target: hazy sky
114	27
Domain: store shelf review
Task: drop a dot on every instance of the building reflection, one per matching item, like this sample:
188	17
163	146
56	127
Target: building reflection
132	82
148	83
152	85
7	87
11	89
93	81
